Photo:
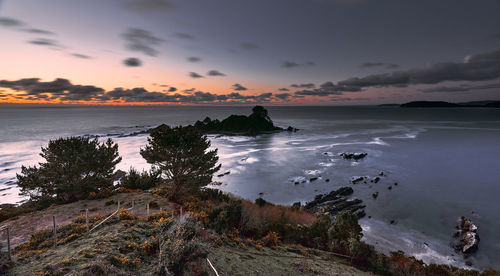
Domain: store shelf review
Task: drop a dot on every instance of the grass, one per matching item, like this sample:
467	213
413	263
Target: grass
238	236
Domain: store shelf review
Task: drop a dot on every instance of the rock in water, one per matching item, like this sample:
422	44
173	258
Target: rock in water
354	155
468	239
335	202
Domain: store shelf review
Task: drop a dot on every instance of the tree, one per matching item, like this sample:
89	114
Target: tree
74	167
181	154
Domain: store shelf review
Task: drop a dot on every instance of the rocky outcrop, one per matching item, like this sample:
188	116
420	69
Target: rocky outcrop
256	123
467	237
353	155
335	202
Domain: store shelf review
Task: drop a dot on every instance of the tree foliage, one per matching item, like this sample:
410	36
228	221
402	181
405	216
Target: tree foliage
74	167
345	227
181	154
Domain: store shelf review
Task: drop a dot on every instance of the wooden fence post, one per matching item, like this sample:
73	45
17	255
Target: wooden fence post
181	211
87	219
55	231
8	243
147	210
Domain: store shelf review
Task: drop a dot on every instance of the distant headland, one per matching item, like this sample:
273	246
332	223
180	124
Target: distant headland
446	104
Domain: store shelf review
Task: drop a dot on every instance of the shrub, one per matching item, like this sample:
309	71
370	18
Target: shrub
226	217
271	239
154	204
261	202
101	193
344	228
88	167
109	202
181	245
141	181
11	210
259	220
126	215
212	194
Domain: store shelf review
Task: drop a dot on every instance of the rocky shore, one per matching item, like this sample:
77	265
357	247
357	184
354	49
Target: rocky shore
467	239
335	202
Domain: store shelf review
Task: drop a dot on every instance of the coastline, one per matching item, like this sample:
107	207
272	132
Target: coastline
383	142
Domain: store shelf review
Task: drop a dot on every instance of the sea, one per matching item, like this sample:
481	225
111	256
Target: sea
445	161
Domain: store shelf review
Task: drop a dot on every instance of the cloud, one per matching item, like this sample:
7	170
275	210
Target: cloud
214	73
479	67
193	59
132	62
15	23
183	36
249	46
379	64
82	56
328	88
239	87
283	89
64	90
172	89
150	5
460	88
46	42
304	85
292	64
283	96
38	31
195	75
60	89
10	22
141	40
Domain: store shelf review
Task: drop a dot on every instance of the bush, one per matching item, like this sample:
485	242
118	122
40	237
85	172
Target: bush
109	202
225	217
261	202
212	194
181	245
140	181
344	228
258	220
10	210
74	167
154	204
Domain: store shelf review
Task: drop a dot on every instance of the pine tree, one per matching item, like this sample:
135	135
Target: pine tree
181	154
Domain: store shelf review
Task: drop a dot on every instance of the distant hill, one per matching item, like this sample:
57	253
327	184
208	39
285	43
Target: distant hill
448	104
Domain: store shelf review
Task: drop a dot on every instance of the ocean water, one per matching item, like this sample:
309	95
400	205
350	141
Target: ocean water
445	161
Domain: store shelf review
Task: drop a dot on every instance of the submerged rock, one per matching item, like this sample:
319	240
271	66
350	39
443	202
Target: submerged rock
291	129
357	179
223	174
467	237
354	155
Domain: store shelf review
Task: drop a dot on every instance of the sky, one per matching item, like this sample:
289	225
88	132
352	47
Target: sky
282	52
